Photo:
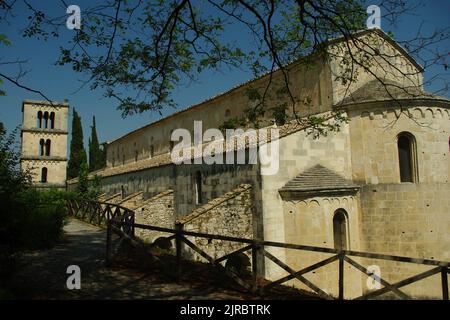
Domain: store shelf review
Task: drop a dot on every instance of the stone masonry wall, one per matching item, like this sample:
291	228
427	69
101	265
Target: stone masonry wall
408	220
374	130
310	222
156	211
298	152
231	215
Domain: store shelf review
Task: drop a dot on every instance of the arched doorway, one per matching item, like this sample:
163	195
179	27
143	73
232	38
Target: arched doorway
340	227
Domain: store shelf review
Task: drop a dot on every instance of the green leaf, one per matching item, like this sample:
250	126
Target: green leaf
4	40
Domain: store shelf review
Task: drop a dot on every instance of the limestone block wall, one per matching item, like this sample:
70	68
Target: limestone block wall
386	61
408	220
216	180
230	214
31	109
30	143
114	198
151	181
299	152
157	211
132	201
310	83
310	222
374	129
56	171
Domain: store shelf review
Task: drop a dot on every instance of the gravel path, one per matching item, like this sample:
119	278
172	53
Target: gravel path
44	274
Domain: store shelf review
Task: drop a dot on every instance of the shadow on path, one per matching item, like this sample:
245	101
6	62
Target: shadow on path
44	274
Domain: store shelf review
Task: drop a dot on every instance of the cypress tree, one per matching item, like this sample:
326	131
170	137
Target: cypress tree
95	153
77	151
103	147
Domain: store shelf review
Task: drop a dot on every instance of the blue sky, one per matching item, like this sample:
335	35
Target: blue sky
60	83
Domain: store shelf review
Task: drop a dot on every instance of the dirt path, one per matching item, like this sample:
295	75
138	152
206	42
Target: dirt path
44	275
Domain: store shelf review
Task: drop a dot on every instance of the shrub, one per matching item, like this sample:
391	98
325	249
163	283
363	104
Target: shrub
30	218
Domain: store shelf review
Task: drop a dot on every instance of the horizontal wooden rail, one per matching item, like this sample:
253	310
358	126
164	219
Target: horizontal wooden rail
298	246
121	221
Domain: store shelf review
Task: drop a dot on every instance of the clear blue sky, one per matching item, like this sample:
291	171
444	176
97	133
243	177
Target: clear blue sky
60	83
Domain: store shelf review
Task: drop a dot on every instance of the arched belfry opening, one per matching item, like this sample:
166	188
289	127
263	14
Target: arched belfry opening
41	147
340	229
44	172
39	119
52	120
48	145
46	118
407	157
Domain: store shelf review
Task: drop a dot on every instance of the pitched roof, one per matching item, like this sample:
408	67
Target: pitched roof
388	90
317	179
330	42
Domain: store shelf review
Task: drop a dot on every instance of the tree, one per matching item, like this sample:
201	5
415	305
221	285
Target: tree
77	151
104	149
95	153
138	52
31	218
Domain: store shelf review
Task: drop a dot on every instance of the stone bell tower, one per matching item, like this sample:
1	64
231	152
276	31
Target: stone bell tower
44	142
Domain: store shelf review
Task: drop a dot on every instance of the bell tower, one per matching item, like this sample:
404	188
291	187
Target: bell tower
44	142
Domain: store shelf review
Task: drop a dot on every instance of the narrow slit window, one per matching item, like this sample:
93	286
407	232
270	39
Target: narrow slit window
198	187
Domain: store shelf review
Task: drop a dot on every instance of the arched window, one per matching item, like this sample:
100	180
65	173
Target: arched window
48	144
39	119
44	175
45	119
41	147
52	120
198	187
227	113
340	229
407	157
152	151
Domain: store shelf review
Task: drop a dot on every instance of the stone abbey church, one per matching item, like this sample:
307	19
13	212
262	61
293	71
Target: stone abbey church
380	184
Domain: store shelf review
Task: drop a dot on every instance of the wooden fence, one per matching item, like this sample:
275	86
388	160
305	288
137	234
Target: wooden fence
100	213
121	222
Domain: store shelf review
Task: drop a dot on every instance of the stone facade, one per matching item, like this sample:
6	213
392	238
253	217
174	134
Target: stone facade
386	181
157	211
44	142
230	214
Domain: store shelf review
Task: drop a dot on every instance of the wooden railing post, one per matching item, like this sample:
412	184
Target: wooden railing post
341	275
178	229
444	279
133	231
108	242
255	247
